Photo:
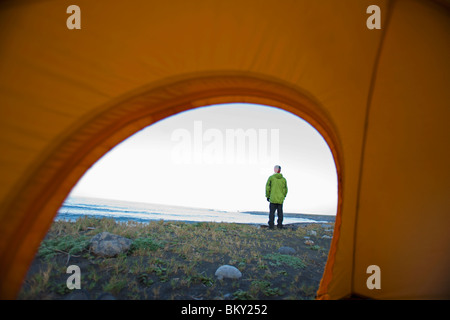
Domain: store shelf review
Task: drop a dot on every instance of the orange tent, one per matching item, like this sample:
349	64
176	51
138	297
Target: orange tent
380	97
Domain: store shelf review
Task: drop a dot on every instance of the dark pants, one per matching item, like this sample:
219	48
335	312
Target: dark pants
279	209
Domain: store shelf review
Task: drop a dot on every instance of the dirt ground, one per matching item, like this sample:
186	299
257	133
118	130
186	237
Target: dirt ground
176	260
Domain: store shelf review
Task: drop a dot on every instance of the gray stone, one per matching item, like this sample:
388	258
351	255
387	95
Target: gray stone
286	250
106	244
228	296
106	296
229	272
78	294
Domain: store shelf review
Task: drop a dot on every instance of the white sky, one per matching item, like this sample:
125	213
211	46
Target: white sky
147	167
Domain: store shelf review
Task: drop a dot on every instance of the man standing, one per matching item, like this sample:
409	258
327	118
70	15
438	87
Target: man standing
276	191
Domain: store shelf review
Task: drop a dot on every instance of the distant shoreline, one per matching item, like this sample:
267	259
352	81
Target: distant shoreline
75	207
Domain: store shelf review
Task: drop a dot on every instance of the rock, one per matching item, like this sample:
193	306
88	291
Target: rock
326	237
229	272
312	233
309	242
228	296
78	294
106	244
106	296
286	250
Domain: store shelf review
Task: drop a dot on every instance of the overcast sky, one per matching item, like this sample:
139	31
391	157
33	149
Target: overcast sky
196	159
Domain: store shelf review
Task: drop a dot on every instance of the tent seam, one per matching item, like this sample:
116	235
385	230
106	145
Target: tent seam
390	9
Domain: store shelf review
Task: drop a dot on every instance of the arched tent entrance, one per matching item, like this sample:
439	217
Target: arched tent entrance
378	96
74	155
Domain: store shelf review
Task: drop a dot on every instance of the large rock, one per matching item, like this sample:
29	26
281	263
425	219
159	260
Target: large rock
286	250
78	294
106	244
229	272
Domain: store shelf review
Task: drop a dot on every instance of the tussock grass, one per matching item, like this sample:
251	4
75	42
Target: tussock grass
177	260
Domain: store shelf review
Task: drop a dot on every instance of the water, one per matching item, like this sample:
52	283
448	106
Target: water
76	207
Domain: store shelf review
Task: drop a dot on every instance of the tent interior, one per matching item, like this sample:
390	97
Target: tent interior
379	97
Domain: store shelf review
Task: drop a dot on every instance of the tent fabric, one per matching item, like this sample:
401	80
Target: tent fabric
380	99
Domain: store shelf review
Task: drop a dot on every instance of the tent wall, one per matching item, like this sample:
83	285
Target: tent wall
68	96
403	219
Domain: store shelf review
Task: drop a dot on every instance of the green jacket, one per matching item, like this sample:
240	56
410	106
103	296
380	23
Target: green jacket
276	188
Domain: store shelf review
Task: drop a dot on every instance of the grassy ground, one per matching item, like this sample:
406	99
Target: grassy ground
176	260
